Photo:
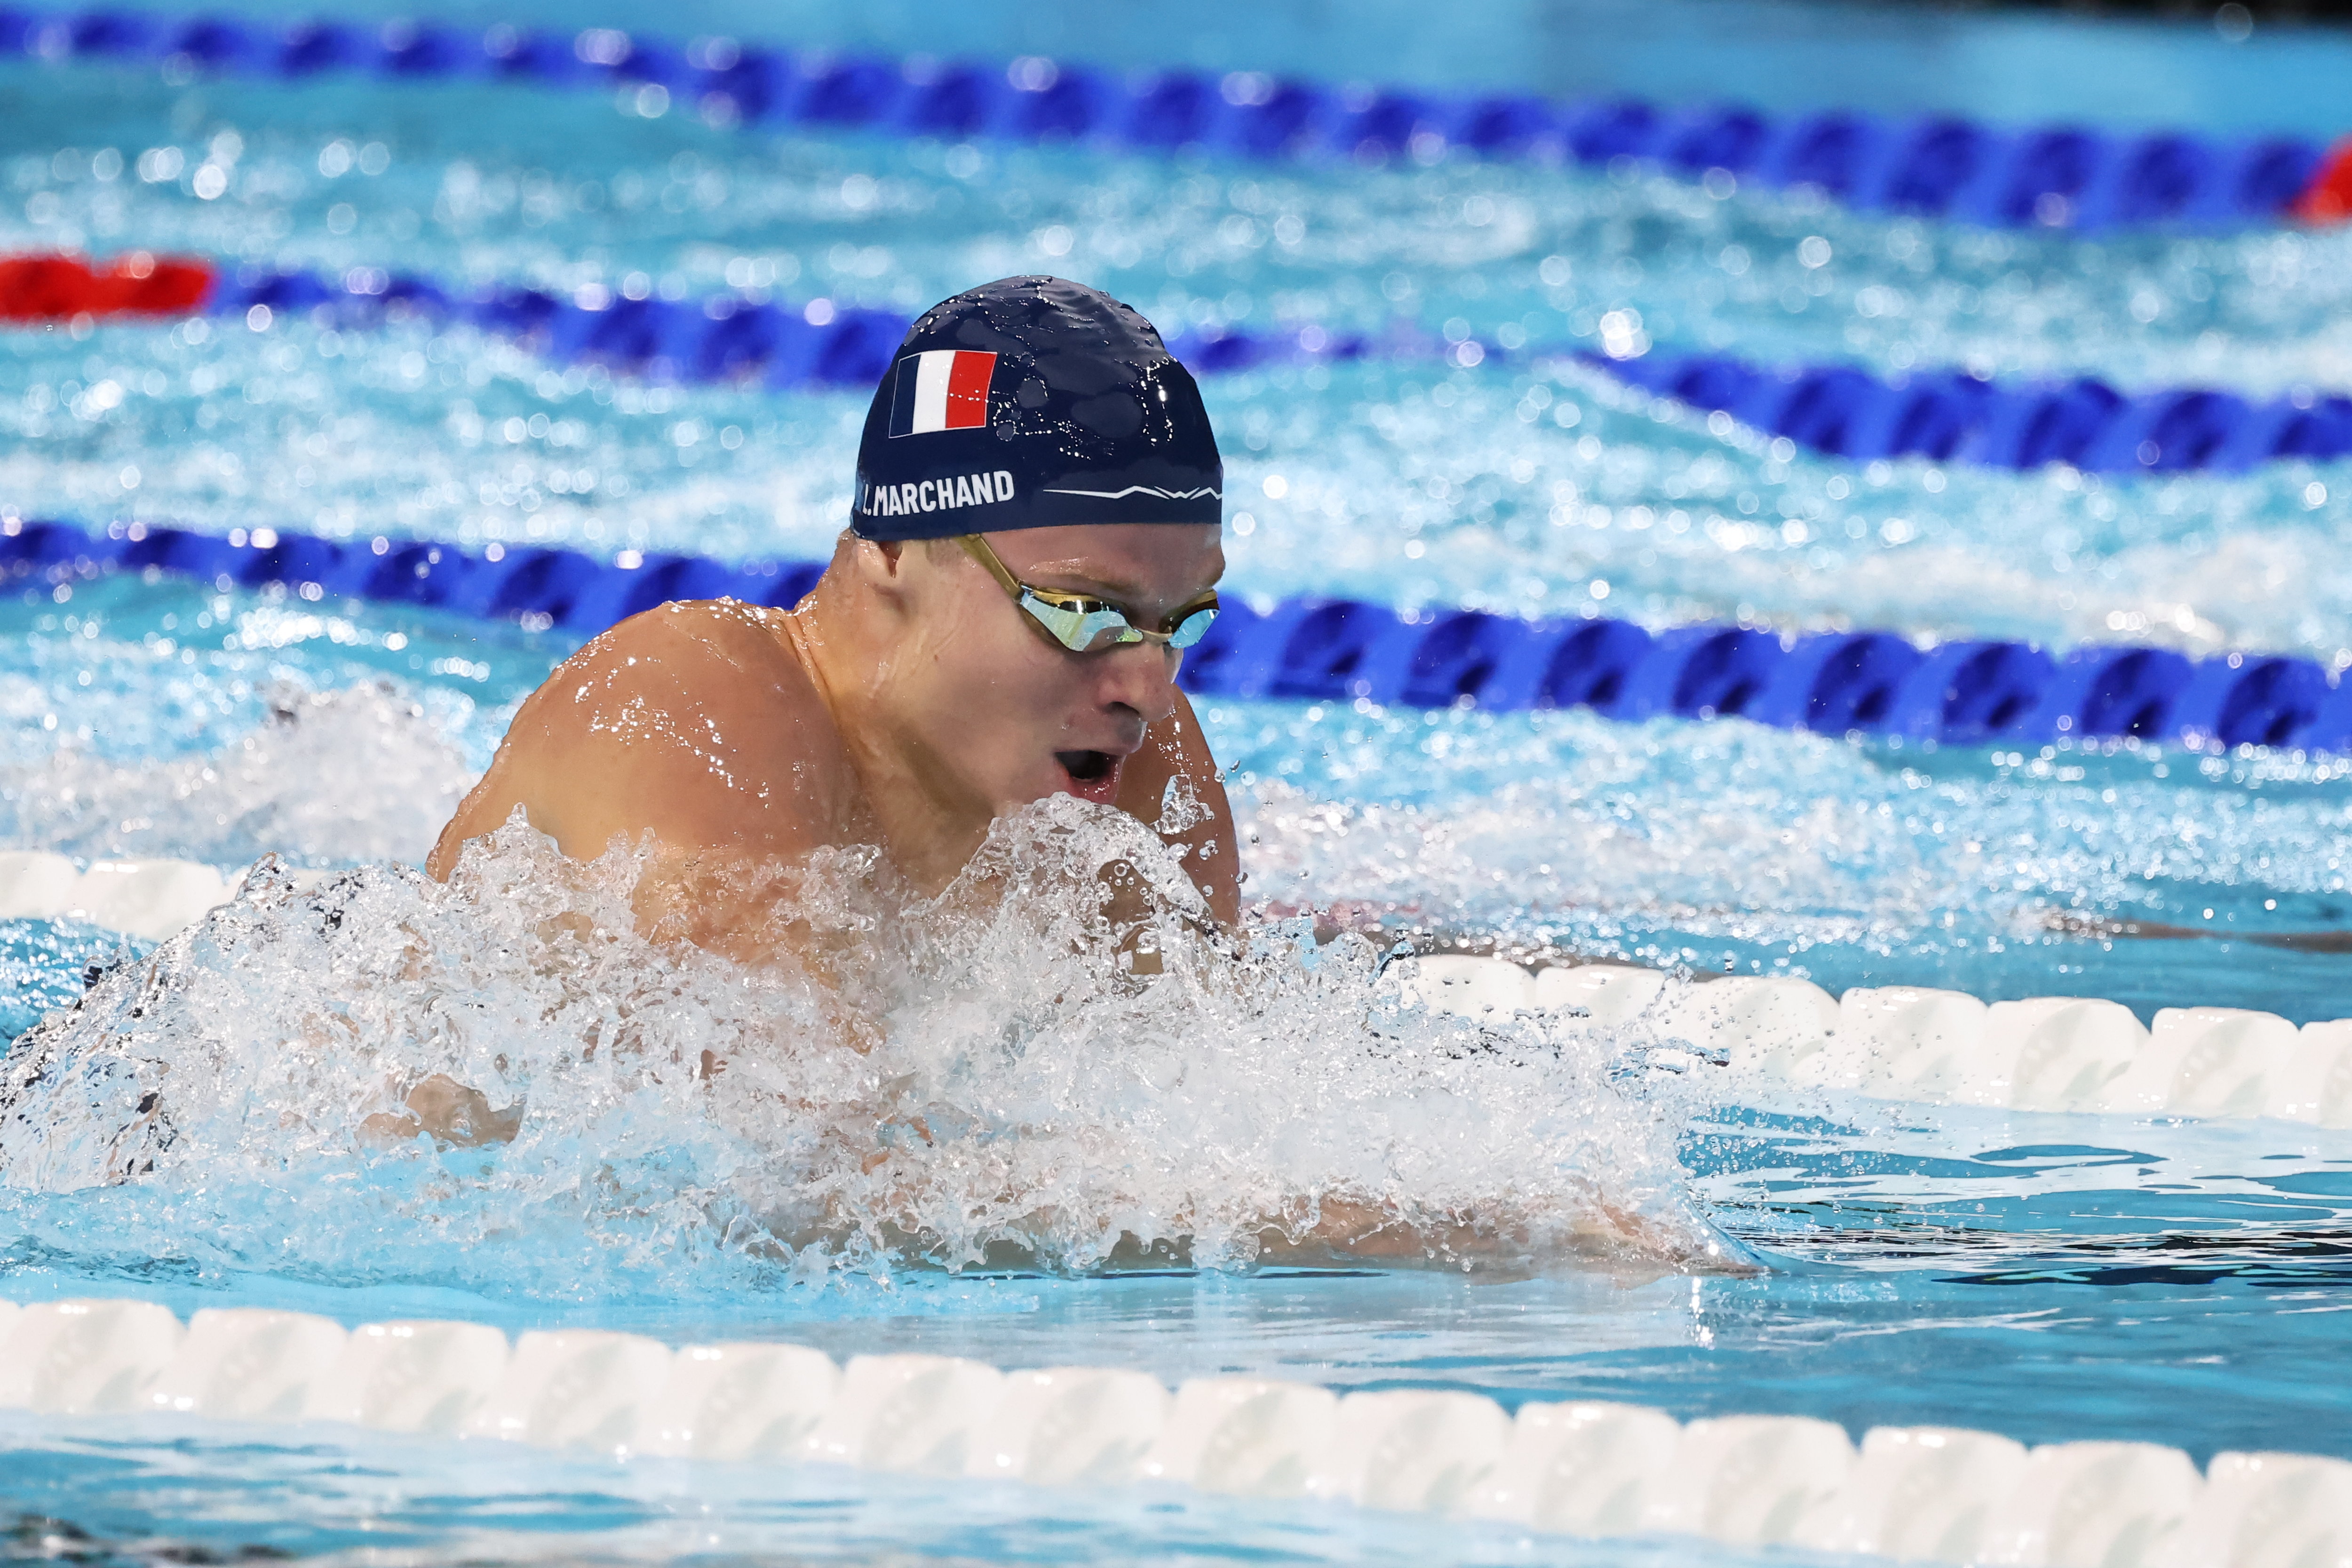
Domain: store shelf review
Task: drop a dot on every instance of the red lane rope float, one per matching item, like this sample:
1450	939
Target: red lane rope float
2328	197
60	288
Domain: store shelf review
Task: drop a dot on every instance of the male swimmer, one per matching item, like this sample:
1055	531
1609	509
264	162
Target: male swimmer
1034	546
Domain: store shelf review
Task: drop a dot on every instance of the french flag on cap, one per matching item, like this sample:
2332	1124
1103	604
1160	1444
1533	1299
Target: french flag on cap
941	389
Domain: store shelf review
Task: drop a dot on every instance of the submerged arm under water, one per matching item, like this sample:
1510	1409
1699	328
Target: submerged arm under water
452	1114
1353	1235
1504	1243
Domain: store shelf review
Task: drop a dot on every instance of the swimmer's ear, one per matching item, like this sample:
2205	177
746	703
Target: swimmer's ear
879	560
880	569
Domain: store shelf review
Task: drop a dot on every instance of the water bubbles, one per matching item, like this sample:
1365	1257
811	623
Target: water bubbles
1621	336
1031	73
1247	89
604	46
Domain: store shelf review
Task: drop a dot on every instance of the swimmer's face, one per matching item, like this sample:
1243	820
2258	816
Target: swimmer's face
1001	715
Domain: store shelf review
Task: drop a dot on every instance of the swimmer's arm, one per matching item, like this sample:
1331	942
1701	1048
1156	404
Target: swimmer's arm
1175	749
451	1113
1504	1241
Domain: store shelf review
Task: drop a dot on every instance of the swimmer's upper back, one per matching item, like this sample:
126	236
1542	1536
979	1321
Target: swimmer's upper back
697	722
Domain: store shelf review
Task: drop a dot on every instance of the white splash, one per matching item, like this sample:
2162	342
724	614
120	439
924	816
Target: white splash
992	1076
363	773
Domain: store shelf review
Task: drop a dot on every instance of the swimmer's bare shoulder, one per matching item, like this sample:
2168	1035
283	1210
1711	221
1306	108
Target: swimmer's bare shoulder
696	722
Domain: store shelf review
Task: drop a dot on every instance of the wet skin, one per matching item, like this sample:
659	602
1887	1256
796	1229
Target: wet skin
906	702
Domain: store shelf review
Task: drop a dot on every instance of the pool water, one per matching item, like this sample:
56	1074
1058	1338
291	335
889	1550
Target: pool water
2048	1277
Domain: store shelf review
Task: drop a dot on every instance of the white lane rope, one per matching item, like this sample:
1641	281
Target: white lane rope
1775	1036
1916	1494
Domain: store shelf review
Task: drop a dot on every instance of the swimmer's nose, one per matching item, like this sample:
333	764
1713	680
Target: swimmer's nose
1142	678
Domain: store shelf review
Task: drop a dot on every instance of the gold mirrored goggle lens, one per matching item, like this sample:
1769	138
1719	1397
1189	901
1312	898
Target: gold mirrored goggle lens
1193	626
1089	626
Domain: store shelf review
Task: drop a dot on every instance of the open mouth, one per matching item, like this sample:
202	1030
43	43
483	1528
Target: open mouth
1093	775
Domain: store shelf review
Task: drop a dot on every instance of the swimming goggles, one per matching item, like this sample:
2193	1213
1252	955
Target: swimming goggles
1084	625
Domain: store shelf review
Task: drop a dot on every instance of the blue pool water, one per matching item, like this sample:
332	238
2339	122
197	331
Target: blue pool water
2048	1277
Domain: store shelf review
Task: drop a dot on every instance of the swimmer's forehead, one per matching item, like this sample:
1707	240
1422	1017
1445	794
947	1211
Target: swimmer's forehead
1081	575
1102	563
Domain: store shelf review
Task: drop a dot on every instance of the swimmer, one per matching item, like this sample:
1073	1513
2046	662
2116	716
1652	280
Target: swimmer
1034	546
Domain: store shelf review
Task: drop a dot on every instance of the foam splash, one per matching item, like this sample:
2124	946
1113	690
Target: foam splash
1568	824
360	773
995	1075
1550	861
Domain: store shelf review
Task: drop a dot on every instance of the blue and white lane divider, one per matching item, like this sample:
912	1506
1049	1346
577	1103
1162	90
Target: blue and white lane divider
733	338
726	338
1967	693
2056	176
1773	1041
1843	411
1584	1468
1839	410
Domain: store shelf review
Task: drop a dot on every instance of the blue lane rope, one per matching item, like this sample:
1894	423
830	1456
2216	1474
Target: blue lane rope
2053	176
1838	410
730	337
1973	693
1951	417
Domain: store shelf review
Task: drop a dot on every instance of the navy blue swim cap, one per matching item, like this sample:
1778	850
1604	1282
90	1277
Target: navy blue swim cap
1030	402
